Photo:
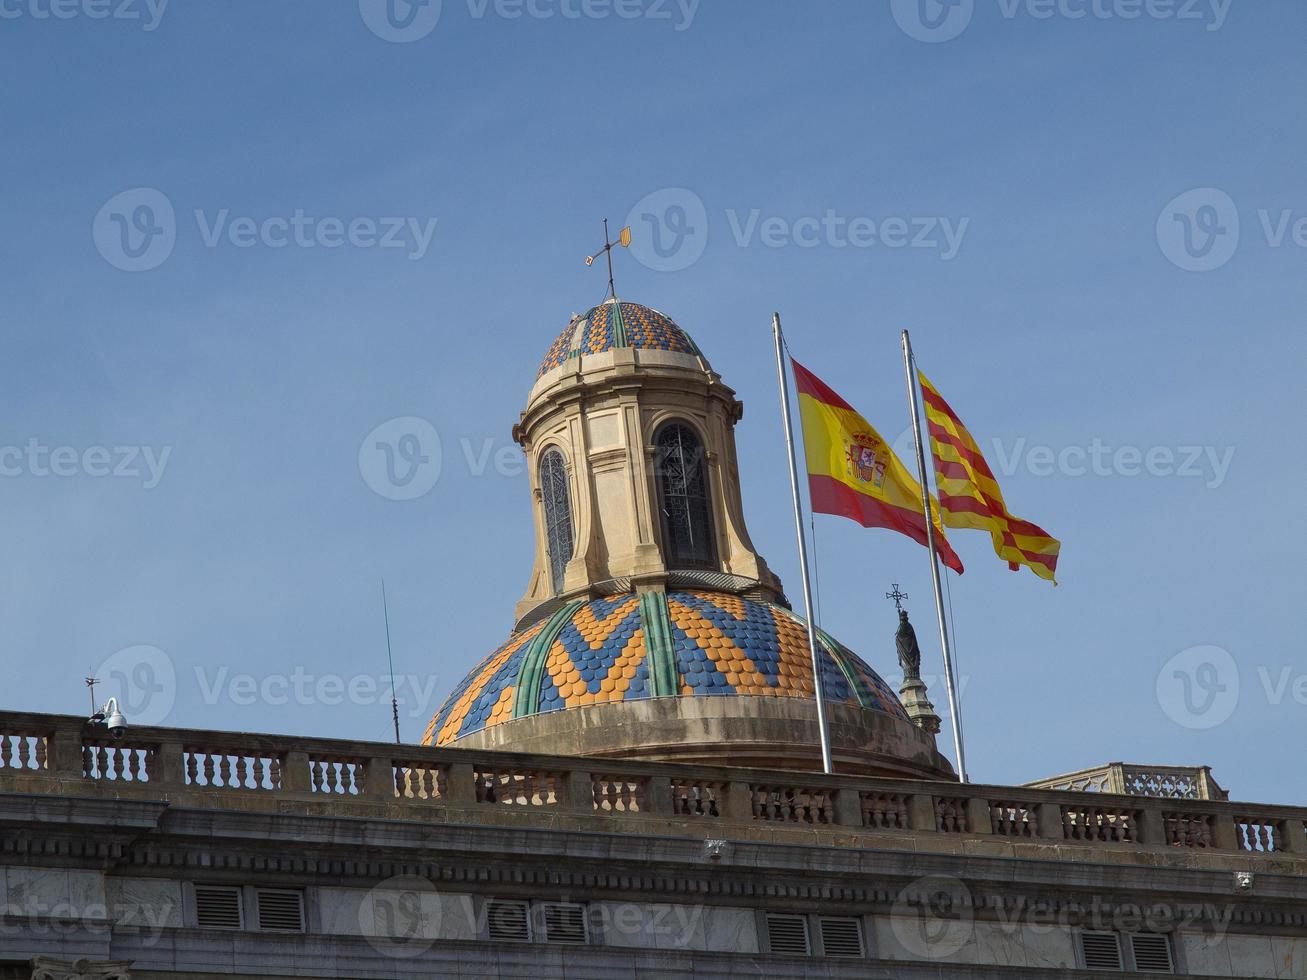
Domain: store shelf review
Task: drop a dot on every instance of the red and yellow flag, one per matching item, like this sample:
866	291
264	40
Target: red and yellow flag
853	472
969	495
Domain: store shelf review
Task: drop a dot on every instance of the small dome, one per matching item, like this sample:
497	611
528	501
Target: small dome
612	324
713	645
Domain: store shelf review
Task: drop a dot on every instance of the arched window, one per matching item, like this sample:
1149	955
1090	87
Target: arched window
558	513
688	540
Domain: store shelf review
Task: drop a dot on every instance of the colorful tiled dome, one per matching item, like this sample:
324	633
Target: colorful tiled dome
691	644
611	325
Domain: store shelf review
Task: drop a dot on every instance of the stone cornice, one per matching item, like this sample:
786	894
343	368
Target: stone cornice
506	861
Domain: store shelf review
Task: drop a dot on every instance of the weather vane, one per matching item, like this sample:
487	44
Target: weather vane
91	682
897	596
624	240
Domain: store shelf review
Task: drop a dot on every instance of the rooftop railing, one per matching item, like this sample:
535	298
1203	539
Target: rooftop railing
56	754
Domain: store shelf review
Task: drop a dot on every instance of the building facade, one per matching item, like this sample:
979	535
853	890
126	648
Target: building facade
628	785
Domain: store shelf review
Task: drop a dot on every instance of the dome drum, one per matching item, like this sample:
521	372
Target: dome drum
749	732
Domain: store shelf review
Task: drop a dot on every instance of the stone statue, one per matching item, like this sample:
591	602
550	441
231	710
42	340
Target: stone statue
909	652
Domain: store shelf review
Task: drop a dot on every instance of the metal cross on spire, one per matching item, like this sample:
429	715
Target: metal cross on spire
897	596
624	240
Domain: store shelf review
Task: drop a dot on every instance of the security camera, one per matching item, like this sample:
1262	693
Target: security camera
111	718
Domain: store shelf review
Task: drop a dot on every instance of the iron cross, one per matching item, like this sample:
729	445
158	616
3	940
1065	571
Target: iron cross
897	596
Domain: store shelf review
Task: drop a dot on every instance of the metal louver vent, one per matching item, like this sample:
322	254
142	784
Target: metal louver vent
787	934
507	921
1101	950
217	907
840	936
1152	953
281	910
564	922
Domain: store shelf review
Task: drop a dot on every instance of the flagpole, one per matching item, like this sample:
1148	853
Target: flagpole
818	689
914	406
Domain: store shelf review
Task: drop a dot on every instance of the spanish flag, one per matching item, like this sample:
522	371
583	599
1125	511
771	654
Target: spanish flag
969	495
853	472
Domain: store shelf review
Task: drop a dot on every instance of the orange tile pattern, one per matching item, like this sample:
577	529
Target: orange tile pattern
645	328
599	656
723	645
482	692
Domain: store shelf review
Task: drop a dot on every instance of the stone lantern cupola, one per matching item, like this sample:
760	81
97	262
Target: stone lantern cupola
630	441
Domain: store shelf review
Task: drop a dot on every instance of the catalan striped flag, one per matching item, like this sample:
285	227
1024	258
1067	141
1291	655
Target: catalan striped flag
969	496
853	472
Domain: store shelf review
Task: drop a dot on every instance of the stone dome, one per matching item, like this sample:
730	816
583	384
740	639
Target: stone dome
650	627
622	675
616	324
713	645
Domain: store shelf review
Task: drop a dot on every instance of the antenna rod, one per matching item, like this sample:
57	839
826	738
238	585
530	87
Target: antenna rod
390	659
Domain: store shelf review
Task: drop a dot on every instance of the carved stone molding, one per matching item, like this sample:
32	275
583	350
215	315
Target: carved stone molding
49	968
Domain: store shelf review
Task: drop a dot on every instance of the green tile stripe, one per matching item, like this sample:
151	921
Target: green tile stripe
660	651
619	327
526	699
856	684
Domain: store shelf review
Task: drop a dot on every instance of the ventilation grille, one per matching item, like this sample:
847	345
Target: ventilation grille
1152	953
564	922
1101	950
841	936
281	910
787	934
217	907
508	921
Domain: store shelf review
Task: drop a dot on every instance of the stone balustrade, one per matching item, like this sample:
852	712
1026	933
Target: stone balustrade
61	755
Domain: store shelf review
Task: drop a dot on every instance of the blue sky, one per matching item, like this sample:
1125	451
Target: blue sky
1066	293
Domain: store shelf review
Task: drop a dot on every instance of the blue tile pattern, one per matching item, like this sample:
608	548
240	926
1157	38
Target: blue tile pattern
724	646
646	329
